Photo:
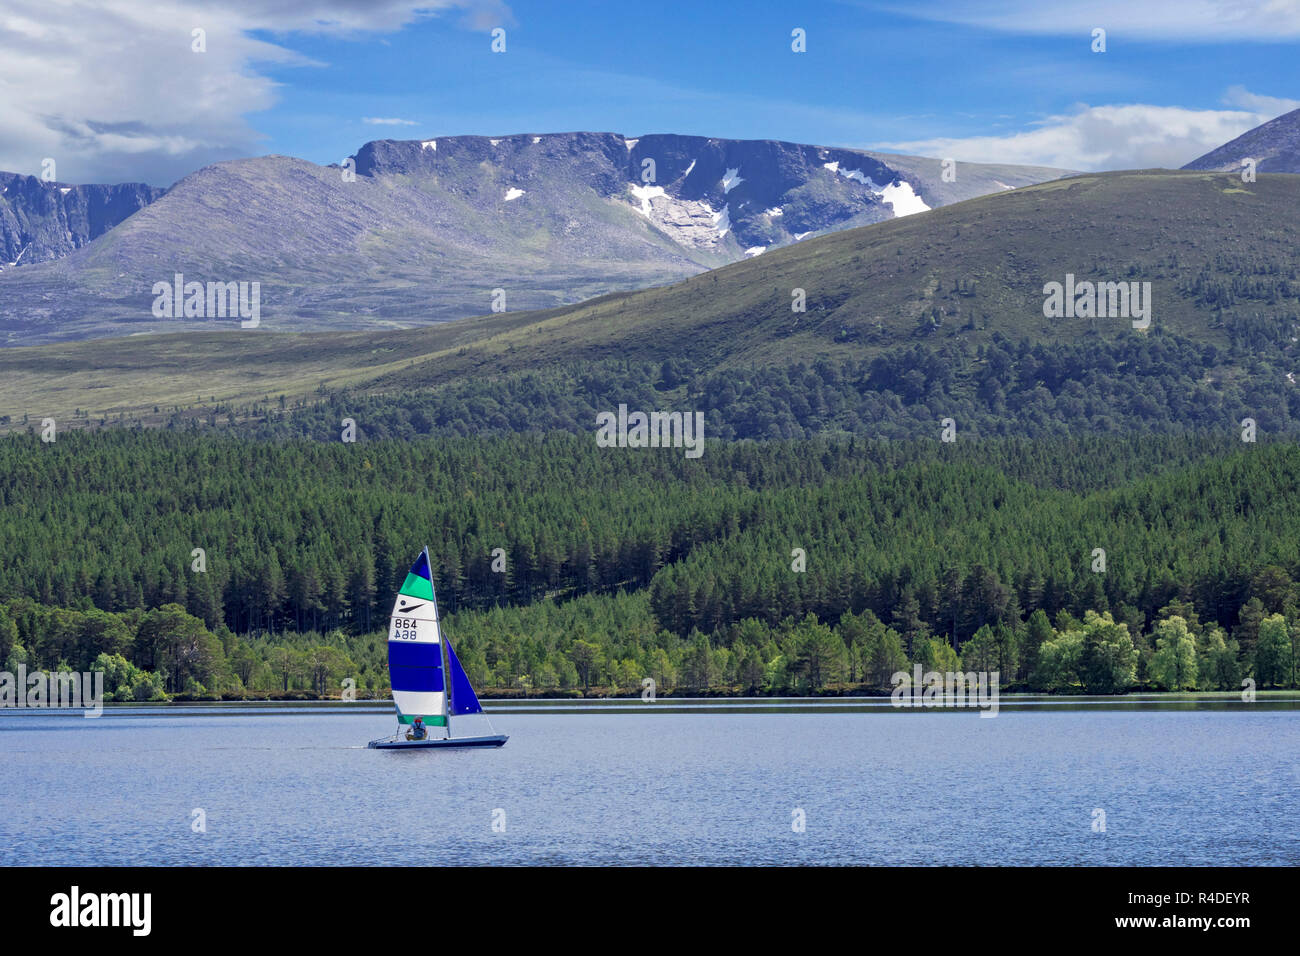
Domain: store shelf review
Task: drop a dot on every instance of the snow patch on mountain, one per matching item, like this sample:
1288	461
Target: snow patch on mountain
731	180
630	144
755	251
902	198
494	142
854	174
688	222
536	140
645	194
430	144
899	195
513	193
722	221
774	211
688	169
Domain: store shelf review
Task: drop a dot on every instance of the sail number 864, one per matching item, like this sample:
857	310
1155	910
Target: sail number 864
404	629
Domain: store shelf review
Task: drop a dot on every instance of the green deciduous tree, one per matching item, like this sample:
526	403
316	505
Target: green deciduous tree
1273	652
1174	666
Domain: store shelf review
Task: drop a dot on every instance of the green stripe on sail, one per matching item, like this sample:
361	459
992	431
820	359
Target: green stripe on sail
436	720
416	586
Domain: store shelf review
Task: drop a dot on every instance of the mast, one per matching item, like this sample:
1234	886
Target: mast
442	651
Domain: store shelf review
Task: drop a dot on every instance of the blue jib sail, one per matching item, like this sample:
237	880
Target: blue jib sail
463	698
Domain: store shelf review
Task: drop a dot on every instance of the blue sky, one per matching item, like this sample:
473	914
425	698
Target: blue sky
113	90
870	76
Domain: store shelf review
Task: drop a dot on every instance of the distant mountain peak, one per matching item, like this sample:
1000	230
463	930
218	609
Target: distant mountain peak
1274	146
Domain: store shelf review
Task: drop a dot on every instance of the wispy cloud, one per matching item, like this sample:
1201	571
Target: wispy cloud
1207	21
385	121
1270	106
1129	136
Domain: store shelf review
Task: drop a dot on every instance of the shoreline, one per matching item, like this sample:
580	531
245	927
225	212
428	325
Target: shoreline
1281	700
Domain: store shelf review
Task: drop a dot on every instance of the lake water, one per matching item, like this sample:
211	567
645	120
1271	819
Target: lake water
635	783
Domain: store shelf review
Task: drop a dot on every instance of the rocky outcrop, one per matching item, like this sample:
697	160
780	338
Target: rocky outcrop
40	221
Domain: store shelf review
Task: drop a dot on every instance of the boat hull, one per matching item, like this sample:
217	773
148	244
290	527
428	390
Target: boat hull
493	740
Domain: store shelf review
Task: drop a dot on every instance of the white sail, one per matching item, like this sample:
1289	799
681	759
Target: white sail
415	659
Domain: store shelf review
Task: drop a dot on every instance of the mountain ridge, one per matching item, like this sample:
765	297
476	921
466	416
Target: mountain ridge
429	230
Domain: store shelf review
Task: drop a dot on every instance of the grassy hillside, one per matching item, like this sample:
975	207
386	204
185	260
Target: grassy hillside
1218	254
132	374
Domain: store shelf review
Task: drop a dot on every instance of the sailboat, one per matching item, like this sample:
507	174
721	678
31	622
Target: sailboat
427	679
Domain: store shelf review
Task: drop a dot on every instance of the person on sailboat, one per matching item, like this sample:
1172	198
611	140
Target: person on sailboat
418	730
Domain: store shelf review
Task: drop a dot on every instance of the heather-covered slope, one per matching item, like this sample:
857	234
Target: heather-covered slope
427	230
906	311
1274	146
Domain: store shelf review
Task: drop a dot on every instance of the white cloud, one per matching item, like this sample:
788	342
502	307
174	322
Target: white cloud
1242	98
1200	20
112	91
1132	136
383	121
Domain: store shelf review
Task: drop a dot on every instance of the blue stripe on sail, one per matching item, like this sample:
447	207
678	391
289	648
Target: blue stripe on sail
421	567
406	654
463	698
416	678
